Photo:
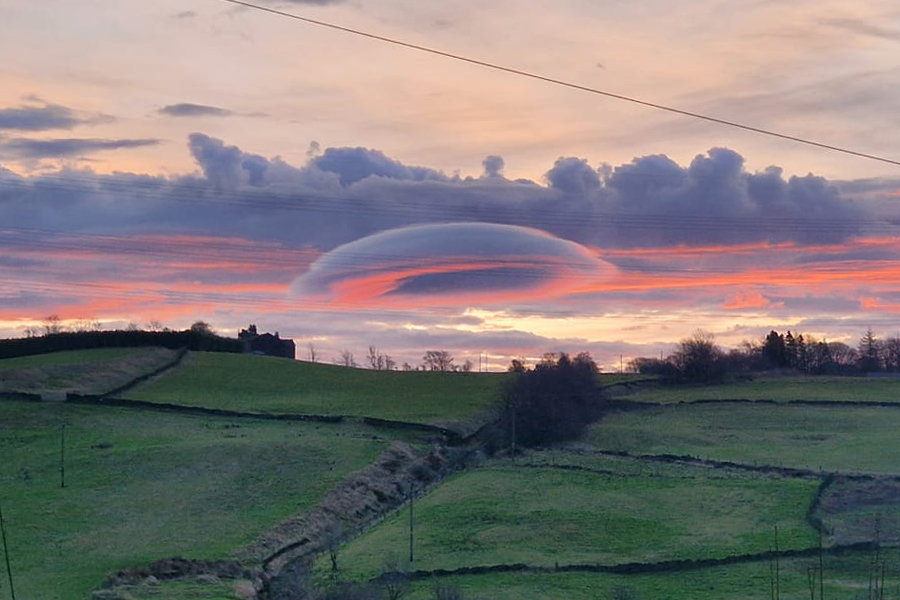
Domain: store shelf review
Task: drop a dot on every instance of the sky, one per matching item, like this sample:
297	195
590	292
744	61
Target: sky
181	161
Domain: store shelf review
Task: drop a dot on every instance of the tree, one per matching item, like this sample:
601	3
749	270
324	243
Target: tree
312	353
773	350
346	359
869	353
698	358
437	360
201	327
842	354
376	360
553	401
394	580
891	353
379	361
155	326
52	324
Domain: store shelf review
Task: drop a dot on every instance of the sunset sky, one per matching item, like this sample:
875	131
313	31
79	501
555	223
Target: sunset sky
197	160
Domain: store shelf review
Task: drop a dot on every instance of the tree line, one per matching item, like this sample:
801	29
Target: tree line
56	338
699	359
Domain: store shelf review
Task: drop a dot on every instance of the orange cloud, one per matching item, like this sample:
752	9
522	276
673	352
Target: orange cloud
747	300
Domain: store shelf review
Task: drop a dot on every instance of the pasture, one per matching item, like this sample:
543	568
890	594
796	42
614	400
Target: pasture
141	486
250	383
779	389
821	438
84	371
543	516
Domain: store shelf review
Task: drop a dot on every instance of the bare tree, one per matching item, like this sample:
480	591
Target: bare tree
52	324
346	359
394	579
437	360
376	359
312	353
83	325
891	353
154	326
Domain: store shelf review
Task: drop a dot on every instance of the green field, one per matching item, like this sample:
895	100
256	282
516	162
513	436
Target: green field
845	579
842	439
543	516
781	389
85	371
143	486
274	385
68	357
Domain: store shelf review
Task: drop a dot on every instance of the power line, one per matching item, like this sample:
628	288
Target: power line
563	83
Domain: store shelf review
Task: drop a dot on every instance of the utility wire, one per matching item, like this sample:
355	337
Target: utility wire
563	83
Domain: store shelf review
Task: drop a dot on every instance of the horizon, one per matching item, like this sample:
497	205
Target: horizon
219	164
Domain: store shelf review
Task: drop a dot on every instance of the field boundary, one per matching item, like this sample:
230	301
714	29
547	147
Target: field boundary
722	464
179	357
626	405
21	397
638	568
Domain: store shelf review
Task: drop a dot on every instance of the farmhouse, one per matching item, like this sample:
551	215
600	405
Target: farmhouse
271	345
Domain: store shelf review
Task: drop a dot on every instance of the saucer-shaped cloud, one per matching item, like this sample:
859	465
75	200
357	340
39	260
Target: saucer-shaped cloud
452	263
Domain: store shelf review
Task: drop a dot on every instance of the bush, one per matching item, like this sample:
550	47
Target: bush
554	401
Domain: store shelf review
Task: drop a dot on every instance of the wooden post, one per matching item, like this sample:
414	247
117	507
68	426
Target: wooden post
821	568
411	521
62	456
777	568
12	589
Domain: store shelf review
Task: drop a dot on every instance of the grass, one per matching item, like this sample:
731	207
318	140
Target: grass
275	385
781	389
846	579
841	439
183	590
68	357
85	371
144	486
541	516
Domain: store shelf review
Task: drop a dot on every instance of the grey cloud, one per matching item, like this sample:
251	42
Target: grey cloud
493	166
349	193
186	109
226	167
41	118
30	149
355	164
573	176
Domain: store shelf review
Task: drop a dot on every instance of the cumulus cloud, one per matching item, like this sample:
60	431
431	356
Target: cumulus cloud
186	109
48	116
459	261
30	149
493	166
344	194
355	164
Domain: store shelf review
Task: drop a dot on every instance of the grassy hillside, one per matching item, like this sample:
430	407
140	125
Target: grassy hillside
144	486
275	385
844	439
845	578
86	371
782	389
541	516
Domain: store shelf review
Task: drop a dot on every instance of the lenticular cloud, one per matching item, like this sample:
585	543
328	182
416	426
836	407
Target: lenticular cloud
452	263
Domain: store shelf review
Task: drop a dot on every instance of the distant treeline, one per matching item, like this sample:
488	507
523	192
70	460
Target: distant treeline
192	339
699	359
